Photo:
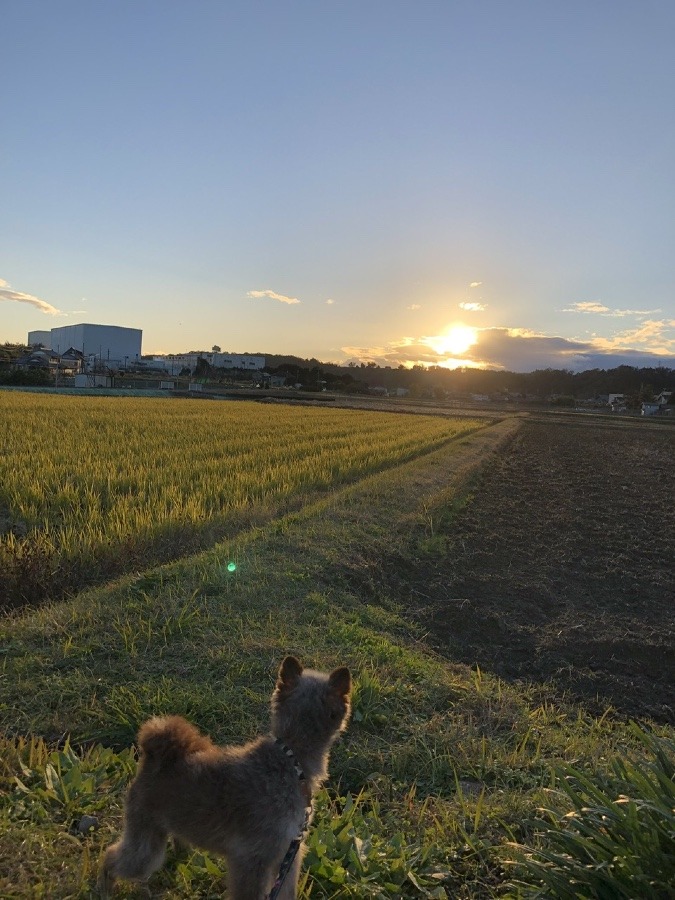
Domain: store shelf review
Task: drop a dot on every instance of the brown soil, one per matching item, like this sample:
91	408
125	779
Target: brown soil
562	566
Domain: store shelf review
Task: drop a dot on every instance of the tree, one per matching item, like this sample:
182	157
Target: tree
202	368
9	352
215	349
39	377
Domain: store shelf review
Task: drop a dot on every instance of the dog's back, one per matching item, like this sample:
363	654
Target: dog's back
166	740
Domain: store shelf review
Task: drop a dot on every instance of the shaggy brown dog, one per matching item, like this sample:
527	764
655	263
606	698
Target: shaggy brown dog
247	803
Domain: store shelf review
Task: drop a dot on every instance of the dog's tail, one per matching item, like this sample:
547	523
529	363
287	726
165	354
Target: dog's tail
165	740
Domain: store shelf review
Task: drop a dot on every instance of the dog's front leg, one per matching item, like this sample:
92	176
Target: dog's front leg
289	889
248	878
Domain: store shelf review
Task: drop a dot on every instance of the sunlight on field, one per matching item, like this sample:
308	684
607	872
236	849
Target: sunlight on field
82	476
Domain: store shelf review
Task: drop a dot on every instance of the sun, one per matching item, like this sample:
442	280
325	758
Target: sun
456	340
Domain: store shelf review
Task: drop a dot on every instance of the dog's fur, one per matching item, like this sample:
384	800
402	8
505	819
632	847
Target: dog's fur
246	803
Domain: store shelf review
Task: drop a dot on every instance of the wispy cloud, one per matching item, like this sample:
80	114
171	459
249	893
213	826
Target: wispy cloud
272	295
589	306
366	354
414	306
19	297
330	302
657	335
475	284
472	307
595	307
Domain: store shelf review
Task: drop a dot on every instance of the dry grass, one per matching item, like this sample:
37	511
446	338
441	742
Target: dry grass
92	487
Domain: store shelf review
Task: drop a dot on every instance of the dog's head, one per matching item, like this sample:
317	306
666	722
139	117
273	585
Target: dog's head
310	706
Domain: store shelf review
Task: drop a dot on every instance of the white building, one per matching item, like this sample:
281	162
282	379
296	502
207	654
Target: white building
234	361
40	337
111	346
174	363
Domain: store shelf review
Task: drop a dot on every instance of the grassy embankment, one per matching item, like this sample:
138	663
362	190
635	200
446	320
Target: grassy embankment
442	766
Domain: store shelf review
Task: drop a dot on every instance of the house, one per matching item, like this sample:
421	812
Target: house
72	362
650	409
265	380
38	359
617	402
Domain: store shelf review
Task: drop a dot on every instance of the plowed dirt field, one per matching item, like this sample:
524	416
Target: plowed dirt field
562	566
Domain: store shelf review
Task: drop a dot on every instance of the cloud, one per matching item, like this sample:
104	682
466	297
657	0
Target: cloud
658	335
475	284
591	306
365	353
472	307
524	350
414	306
330	302
272	296
597	308
407	351
18	297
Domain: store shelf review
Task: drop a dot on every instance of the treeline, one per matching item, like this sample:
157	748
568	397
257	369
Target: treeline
642	383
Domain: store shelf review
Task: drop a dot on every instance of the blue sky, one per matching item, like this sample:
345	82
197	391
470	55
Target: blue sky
488	182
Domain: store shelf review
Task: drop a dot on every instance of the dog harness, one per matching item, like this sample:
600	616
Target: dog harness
292	851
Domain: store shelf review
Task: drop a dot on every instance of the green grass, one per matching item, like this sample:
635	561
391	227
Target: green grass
611	835
441	771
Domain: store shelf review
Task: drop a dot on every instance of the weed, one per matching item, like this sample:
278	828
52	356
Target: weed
608	835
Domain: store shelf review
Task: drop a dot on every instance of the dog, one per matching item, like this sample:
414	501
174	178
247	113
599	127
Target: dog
248	803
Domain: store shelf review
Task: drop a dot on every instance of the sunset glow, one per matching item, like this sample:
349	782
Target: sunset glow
456	340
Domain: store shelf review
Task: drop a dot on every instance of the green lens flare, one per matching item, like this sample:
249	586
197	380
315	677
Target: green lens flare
231	567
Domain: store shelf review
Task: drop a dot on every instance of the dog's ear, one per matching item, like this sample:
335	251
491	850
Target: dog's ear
341	681
289	673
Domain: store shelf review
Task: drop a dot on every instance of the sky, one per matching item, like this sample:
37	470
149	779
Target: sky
451	182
